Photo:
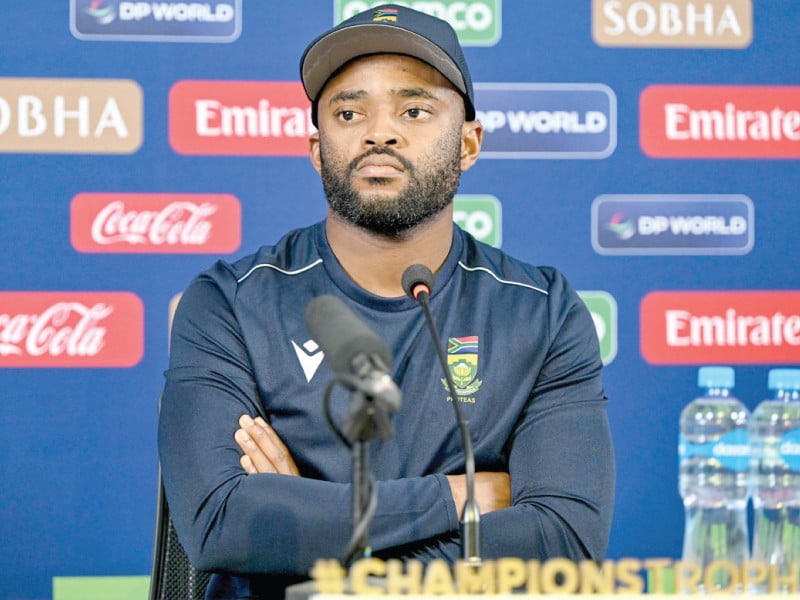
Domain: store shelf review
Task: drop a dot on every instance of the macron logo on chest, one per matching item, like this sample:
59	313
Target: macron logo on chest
310	356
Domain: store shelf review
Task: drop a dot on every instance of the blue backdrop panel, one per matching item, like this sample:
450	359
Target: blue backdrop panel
78	442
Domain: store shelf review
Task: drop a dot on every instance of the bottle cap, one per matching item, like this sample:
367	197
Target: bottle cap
716	377
783	379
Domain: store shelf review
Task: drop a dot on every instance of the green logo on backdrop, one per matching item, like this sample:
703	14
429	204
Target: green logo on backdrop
477	22
101	588
480	215
603	309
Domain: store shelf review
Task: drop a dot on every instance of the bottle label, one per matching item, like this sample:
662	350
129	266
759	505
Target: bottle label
790	449
732	450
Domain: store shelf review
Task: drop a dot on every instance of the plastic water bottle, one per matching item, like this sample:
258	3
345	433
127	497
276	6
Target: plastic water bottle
775	436
714	482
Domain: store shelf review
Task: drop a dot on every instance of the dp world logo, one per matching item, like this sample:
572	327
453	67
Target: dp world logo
679	224
162	21
481	216
102	11
603	309
547	120
621	226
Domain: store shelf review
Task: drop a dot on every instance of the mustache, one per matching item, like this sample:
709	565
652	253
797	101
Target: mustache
380	150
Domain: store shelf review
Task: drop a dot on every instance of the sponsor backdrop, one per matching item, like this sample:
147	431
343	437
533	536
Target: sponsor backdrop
647	148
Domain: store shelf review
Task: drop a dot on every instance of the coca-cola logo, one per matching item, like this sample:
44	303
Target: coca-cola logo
71	329
155	223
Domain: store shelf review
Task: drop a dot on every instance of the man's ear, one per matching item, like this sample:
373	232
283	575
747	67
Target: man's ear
471	140
313	151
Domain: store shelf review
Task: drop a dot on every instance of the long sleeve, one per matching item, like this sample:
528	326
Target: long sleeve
561	458
531	387
265	523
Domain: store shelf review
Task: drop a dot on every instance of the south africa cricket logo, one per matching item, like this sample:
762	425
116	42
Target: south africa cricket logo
462	360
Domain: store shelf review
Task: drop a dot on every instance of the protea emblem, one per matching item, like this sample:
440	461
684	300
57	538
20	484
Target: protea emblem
462	360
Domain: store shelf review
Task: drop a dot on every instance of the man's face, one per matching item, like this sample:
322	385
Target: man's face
390	143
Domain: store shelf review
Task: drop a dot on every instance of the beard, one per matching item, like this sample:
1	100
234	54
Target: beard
430	189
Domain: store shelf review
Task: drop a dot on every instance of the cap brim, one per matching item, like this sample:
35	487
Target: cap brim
332	51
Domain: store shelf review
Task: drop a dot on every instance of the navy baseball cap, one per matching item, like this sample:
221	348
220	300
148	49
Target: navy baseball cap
387	29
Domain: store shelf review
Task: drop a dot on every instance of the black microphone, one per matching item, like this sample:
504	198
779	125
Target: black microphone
360	361
417	282
355	354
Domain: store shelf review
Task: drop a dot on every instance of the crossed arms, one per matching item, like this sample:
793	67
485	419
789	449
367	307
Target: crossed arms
242	507
264	452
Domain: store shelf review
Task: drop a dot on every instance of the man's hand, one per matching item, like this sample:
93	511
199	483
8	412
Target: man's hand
492	491
264	451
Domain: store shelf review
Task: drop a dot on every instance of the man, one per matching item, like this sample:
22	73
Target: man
393	103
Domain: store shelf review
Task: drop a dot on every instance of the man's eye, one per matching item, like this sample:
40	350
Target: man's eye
414	113
347	115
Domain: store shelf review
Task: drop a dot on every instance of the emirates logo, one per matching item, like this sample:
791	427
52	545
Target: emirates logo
729	327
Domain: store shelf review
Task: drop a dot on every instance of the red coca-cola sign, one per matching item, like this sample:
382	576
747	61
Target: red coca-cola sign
155	223
71	329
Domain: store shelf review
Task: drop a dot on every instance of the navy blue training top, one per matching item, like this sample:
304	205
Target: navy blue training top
525	354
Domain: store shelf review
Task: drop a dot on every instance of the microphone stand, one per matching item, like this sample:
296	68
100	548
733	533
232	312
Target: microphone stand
471	516
359	431
368	417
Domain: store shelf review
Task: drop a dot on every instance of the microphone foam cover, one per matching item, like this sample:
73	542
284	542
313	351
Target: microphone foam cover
341	334
416	275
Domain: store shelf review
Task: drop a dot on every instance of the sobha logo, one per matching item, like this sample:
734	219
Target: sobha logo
477	22
674	24
92	116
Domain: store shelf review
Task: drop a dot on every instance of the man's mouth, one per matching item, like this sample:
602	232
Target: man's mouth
379	165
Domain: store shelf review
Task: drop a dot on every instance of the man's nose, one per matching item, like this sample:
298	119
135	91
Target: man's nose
383	131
